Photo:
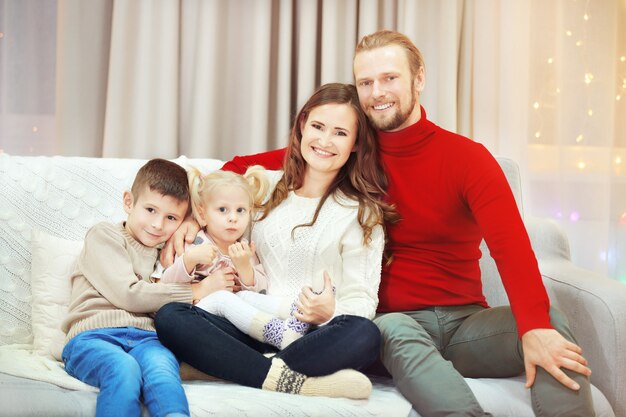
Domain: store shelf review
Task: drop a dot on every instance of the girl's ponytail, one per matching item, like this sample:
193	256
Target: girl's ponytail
194	177
259	184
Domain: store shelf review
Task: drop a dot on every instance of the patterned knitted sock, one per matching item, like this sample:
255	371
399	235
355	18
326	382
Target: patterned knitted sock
266	328
346	383
294	330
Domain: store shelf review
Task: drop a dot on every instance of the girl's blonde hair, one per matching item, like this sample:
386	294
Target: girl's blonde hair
254	182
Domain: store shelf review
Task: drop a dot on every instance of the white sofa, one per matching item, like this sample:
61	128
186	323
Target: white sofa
48	203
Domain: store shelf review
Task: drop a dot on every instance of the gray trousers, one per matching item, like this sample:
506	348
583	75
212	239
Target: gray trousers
428	352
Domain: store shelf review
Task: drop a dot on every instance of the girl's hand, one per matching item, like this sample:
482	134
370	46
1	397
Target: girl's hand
315	308
241	253
175	245
203	254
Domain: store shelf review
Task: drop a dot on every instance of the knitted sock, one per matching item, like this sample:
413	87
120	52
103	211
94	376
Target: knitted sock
346	383
266	328
294	330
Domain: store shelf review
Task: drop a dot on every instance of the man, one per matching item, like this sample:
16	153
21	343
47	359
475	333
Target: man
451	193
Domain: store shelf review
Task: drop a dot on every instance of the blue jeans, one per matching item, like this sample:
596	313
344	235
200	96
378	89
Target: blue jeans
214	346
125	364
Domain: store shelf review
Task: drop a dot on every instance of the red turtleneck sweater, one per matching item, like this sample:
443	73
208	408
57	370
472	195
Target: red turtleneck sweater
450	193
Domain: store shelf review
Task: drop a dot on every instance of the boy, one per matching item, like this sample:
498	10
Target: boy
111	340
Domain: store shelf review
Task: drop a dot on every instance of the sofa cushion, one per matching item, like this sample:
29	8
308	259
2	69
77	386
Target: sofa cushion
53	260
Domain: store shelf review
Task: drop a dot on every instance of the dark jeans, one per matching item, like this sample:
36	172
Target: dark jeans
214	346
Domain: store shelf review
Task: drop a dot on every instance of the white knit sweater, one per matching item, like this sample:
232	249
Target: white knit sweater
333	244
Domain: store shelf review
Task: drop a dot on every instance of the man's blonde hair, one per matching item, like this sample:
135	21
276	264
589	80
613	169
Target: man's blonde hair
390	37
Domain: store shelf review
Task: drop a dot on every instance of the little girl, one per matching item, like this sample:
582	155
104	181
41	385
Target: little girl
222	203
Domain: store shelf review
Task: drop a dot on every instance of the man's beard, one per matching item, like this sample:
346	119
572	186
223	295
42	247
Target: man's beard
399	117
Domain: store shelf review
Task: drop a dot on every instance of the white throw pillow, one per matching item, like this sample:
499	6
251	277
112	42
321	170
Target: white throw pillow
53	261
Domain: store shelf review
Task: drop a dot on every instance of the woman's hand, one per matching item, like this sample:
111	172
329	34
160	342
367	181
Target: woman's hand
315	308
175	245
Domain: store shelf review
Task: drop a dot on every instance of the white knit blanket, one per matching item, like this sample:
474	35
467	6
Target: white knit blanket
219	398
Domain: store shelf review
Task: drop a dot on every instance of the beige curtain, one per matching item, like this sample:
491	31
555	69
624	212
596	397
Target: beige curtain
542	82
216	78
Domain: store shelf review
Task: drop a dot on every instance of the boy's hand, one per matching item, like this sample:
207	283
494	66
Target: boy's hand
175	245
222	279
241	253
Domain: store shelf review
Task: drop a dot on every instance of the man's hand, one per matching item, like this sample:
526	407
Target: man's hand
315	308
175	245
548	349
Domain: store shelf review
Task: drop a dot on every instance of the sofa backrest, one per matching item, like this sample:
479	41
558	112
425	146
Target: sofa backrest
64	196
492	284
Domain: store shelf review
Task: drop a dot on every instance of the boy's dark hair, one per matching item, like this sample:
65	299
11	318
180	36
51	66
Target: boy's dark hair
163	176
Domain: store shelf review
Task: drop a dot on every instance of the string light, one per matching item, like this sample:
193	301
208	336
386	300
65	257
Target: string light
586	16
35	129
550	60
537	135
568	33
536	105
579	43
618	160
622	58
590	112
582	165
588	78
579	138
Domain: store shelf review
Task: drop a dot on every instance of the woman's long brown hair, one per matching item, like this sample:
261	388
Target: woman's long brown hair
362	178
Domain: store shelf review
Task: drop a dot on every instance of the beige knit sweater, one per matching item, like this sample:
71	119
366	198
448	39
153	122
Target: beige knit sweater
111	283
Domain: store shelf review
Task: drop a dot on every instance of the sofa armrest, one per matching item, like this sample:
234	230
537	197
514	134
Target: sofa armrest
595	306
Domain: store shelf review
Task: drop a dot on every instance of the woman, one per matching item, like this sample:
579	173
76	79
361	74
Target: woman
320	238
